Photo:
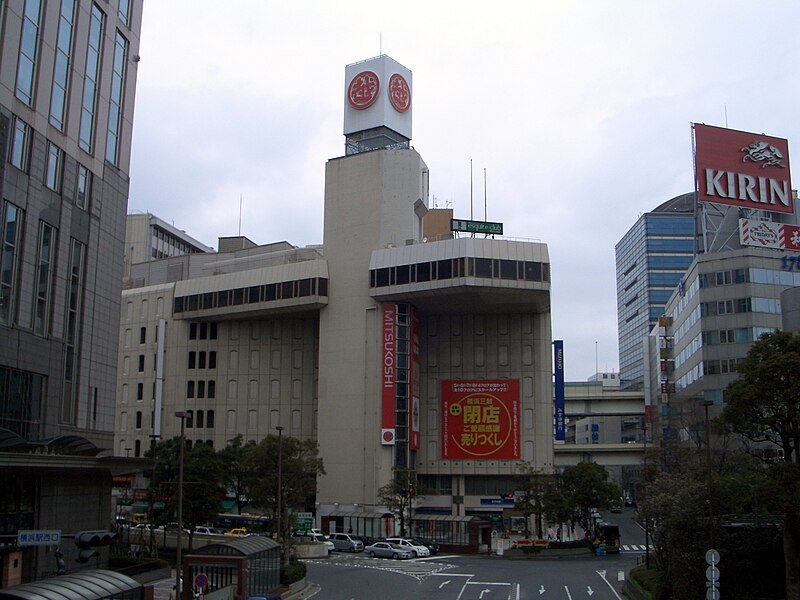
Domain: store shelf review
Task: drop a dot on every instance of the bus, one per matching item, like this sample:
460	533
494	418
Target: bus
259	524
608	534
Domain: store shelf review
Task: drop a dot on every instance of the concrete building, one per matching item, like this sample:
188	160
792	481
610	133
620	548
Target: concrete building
67	87
401	356
651	259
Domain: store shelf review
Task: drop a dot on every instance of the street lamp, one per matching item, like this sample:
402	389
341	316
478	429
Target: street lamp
182	415
280	429
644	475
706	404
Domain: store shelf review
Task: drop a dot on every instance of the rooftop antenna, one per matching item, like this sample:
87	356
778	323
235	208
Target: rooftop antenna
240	215
470	189
726	115
485	215
380	43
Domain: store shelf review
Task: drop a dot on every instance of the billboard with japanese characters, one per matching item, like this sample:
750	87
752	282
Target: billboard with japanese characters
480	419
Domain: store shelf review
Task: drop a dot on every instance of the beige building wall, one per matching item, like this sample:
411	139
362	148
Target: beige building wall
372	200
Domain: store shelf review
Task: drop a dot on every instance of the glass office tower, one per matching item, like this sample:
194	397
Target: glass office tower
652	257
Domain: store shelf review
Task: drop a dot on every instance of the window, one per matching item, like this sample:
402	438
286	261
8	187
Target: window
55	161
212	359
89	101
190	389
138	419
140	391
83	189
201	360
44	276
192	330
200	419
61	67
201	389
210	419
212	388
71	337
12	228
142	335
20	145
141	363
125	12
192	359
26	65
115	101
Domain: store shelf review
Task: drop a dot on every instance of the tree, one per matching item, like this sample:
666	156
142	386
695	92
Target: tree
763	406
300	466
536	488
398	495
237	476
587	486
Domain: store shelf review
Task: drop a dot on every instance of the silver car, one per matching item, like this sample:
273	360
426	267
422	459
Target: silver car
388	550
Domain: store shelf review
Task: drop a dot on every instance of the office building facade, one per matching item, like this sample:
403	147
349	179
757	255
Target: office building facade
67	86
401	356
651	259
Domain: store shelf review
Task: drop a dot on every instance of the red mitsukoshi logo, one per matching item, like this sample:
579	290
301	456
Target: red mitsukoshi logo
399	93
363	90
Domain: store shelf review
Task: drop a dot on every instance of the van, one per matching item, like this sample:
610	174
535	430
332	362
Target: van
345	542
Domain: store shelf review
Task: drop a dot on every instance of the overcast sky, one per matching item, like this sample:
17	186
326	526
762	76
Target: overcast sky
580	113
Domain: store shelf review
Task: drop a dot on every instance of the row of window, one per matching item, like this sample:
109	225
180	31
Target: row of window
44	277
741	305
201	389
164	244
205	330
253	295
196	420
19	155
485	268
31	35
197	360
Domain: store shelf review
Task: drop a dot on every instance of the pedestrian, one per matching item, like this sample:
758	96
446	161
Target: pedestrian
173	593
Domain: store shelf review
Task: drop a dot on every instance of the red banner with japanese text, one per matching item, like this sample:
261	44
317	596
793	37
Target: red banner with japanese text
481	420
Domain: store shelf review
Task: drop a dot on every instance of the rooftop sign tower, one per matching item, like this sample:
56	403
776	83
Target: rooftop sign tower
377	105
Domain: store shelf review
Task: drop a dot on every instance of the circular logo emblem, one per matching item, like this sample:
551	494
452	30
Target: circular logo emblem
388	436
399	93
363	90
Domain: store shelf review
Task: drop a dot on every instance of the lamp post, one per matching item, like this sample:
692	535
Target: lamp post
279	491
644	474
706	404
182	415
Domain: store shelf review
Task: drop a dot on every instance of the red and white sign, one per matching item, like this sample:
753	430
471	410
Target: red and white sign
743	169
768	234
399	93
388	372
363	90
480	420
414	377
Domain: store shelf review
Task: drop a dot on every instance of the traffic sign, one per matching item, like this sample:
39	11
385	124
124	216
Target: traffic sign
200	580
712	573
38	537
712	593
712	557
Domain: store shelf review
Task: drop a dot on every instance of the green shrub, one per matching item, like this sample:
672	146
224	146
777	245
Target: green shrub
292	572
646	579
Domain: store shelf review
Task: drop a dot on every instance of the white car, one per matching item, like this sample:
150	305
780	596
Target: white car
416	549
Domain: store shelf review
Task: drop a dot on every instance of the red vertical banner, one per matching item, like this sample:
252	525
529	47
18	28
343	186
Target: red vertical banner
413	378
481	419
388	371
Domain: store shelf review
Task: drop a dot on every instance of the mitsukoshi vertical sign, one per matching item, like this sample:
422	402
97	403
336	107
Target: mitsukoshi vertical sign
388	371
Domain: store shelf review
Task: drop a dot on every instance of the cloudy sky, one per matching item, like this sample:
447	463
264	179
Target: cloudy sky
579	111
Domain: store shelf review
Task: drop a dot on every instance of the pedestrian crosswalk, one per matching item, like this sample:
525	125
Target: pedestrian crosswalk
418	568
634	547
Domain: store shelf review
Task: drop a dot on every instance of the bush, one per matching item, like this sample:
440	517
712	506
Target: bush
292	572
646	579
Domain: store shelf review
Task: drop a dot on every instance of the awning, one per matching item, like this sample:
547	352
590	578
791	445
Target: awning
94	584
364	514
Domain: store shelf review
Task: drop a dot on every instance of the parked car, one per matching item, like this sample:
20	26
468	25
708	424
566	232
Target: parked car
433	547
314	537
415	549
346	542
203	530
238	532
388	550
366	540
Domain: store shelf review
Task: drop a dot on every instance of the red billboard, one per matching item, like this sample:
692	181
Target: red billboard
388	371
480	420
738	168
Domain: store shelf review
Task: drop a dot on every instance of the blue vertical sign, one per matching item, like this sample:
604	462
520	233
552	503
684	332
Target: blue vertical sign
558	400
